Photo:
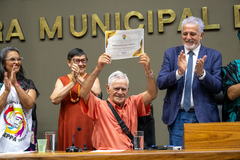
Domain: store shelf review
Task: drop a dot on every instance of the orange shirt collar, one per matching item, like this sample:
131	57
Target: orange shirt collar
114	105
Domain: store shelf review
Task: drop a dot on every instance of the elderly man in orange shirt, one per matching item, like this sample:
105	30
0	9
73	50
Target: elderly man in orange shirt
107	133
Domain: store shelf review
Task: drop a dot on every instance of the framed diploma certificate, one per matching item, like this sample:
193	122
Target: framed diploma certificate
122	44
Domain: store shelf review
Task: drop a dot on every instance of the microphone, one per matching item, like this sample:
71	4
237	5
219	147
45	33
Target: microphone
74	148
78	129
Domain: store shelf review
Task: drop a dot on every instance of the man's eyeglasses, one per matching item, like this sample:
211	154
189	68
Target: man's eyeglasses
12	59
77	61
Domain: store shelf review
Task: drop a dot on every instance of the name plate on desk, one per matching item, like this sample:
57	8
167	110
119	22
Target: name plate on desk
218	135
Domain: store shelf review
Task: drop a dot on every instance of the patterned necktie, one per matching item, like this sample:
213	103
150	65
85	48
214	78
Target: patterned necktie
188	84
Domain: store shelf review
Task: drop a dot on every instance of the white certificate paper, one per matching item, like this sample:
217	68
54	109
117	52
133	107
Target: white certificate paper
122	44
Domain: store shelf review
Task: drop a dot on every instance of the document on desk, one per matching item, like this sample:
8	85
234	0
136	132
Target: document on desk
123	44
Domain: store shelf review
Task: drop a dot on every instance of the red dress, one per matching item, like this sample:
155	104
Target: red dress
70	118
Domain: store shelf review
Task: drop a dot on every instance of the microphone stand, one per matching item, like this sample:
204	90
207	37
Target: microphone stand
74	148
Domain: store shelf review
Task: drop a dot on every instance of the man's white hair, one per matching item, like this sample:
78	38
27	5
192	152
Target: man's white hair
117	75
195	21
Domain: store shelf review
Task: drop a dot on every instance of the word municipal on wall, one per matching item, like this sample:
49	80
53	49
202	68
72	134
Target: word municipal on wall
15	30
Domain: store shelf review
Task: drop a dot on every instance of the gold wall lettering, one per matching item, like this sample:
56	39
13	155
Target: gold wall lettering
117	21
150	21
236	16
186	13
205	20
84	26
15	29
162	21
56	27
14	25
132	14
96	20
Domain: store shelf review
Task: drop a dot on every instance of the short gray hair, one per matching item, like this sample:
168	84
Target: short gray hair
195	21
117	75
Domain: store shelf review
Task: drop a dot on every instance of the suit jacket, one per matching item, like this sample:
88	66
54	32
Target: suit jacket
203	90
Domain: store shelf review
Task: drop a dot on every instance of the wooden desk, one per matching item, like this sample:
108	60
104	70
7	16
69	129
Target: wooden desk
216	135
131	155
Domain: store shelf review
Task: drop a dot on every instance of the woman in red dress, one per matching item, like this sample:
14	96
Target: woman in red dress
66	92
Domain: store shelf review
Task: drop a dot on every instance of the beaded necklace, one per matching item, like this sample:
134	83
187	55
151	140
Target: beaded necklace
78	98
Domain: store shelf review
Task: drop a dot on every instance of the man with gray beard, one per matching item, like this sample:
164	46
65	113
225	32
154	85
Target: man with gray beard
191	73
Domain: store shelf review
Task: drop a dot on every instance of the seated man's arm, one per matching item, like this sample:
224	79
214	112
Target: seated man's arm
151	92
88	83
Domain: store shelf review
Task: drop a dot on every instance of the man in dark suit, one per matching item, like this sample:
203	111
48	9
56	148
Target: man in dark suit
191	73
